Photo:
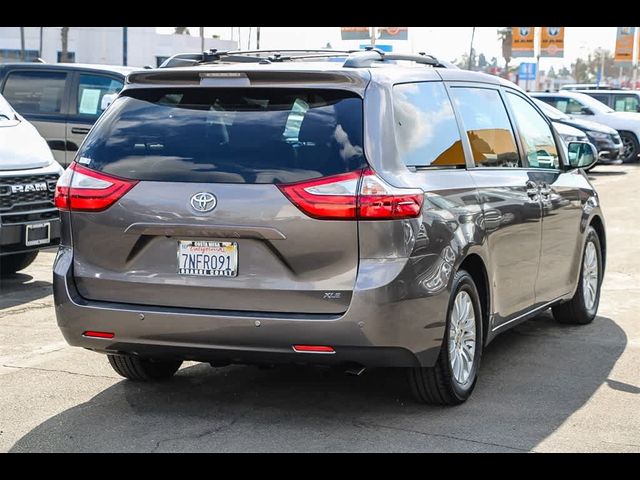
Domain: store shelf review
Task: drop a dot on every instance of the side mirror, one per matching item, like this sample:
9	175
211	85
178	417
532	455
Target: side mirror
586	111
107	100
581	154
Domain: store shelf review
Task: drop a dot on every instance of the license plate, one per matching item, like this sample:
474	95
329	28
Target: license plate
37	234
208	259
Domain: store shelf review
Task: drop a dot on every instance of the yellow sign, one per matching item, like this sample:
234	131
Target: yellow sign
522	41
624	44
552	42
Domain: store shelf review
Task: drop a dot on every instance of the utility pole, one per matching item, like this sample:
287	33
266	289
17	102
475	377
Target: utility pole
257	38
40	48
537	45
473	34
125	35
22	52
374	32
202	39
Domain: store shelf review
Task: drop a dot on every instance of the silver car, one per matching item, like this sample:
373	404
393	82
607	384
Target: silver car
361	213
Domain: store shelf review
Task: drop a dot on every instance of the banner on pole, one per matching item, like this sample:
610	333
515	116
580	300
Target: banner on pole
355	33
522	41
393	33
552	42
624	44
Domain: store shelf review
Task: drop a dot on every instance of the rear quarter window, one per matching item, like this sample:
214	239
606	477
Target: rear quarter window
427	133
231	135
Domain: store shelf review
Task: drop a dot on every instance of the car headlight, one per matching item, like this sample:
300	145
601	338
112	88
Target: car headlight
598	135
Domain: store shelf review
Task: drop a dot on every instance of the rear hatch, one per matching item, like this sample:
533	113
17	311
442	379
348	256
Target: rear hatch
194	213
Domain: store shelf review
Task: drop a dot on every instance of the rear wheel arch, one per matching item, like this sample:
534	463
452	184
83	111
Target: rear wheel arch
475	266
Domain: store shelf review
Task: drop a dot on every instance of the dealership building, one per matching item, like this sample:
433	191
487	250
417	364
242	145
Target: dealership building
102	45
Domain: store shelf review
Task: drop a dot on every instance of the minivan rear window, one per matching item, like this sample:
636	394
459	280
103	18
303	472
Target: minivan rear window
230	135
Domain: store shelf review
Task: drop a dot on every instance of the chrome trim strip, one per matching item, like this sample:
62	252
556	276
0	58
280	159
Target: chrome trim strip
526	314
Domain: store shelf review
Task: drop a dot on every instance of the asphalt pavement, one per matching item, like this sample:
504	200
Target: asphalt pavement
543	386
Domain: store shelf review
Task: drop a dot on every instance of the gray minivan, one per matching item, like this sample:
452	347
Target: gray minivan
62	100
358	214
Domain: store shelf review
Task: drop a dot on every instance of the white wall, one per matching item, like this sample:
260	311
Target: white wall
104	44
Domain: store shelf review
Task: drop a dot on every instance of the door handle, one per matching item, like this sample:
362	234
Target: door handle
532	190
79	130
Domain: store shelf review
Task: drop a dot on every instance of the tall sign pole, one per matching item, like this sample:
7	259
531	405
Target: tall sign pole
537	47
125	35
473	34
202	39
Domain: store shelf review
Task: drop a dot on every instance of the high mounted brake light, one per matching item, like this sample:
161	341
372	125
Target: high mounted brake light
359	195
83	189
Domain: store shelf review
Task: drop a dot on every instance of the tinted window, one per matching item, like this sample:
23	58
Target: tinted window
426	130
91	92
625	103
230	135
35	92
566	105
600	98
488	127
535	132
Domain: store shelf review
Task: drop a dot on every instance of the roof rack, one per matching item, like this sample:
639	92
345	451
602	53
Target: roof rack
366	58
354	58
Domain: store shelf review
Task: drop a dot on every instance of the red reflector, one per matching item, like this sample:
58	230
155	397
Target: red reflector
98	334
313	348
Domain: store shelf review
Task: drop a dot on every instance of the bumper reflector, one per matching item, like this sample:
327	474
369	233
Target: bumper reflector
98	334
313	349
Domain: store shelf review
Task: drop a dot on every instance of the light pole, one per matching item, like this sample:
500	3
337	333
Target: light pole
125	35
473	34
202	39
22	52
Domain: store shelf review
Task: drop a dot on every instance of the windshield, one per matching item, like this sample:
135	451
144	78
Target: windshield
549	111
592	103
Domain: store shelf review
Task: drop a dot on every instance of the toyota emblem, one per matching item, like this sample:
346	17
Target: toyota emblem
203	202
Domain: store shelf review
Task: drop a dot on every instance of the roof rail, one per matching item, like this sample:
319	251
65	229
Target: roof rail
363	59
247	56
354	58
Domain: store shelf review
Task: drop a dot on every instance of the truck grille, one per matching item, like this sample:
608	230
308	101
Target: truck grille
29	199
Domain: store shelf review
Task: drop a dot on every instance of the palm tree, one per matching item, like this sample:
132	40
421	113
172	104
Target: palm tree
504	34
64	34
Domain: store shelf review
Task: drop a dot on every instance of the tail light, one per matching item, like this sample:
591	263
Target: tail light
359	195
82	189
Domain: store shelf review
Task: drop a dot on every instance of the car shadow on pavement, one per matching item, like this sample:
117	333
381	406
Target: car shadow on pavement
18	289
533	378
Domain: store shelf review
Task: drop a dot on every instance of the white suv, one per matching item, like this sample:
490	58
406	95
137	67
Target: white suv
28	174
580	105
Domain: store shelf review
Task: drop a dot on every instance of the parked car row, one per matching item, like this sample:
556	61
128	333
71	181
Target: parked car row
584	106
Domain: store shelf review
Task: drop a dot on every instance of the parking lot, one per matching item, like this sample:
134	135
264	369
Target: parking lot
543	387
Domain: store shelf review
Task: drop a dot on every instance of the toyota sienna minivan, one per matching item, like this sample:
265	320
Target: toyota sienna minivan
383	211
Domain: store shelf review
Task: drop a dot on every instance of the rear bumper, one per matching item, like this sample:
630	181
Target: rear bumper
376	330
12	237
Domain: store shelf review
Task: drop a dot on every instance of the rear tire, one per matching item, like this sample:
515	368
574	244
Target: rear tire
11	264
439	385
631	147
142	369
582	309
